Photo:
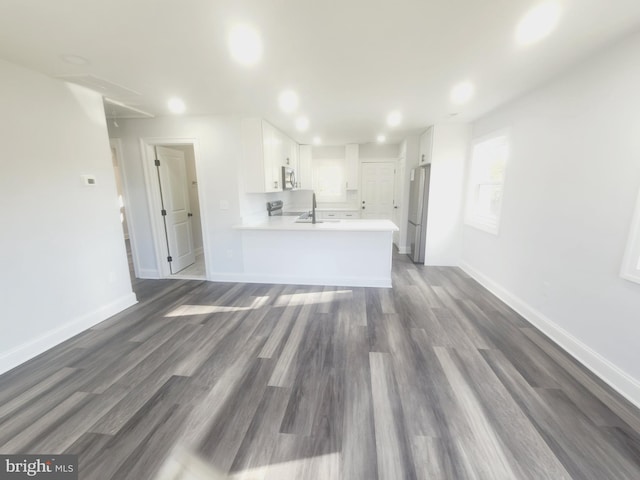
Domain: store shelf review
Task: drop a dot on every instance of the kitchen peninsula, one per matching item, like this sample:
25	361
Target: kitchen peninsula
349	253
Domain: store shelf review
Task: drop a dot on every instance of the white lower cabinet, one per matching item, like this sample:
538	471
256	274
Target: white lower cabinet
339	214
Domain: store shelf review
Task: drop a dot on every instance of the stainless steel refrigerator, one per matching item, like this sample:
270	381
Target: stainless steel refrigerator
418	209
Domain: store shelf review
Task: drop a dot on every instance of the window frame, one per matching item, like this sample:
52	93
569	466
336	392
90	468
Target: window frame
316	166
470	218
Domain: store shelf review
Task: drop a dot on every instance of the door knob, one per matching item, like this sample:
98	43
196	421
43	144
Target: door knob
189	214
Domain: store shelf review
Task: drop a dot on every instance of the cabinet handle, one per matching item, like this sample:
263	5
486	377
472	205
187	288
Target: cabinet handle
423	157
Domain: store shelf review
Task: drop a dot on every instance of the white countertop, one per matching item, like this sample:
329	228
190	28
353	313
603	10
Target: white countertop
289	223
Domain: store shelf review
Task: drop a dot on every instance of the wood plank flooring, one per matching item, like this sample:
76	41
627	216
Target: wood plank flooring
433	379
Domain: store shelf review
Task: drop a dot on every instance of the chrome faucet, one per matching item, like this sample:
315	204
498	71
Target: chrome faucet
313	207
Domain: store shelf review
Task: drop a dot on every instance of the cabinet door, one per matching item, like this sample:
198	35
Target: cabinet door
294	154
272	152
288	152
426	146
304	167
353	166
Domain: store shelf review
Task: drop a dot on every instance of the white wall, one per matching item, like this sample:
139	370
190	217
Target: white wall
571	184
446	193
371	151
334	152
217	153
64	264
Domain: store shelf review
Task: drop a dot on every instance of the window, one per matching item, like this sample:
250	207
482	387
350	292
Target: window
329	181
631	262
486	182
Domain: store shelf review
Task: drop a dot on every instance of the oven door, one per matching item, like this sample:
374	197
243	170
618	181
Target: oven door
288	178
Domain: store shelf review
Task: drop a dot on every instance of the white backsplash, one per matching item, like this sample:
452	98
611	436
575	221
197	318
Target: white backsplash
254	206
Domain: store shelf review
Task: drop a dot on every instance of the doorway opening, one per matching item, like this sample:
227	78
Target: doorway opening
116	158
175	208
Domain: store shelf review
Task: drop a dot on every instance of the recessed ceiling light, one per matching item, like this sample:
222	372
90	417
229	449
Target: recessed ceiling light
381	139
462	92
75	59
538	23
288	101
394	118
245	45
176	105
317	140
302	124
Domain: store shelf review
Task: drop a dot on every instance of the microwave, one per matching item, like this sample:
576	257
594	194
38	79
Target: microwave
288	178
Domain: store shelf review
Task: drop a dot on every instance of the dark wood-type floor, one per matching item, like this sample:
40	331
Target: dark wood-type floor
433	379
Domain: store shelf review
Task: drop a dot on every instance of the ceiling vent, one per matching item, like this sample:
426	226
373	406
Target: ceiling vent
115	109
100	85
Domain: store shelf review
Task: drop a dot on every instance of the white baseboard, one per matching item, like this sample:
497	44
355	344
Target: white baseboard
35	347
615	377
287	280
149	274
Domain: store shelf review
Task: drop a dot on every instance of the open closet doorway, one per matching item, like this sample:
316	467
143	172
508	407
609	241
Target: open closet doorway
172	180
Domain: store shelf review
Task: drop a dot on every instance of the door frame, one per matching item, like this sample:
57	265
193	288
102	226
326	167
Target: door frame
147	148
116	144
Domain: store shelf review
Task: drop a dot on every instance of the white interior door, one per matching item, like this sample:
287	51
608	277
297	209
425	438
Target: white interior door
377	182
175	200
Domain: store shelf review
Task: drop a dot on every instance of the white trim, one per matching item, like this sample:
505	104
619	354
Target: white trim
294	280
131	222
149	273
35	347
616	378
630	270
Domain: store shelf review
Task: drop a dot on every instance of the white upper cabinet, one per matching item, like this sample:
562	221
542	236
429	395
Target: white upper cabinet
426	146
265	150
304	167
352	157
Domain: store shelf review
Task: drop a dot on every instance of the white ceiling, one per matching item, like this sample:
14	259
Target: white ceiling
351	61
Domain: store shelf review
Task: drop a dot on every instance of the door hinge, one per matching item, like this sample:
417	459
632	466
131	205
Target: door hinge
169	259
163	212
157	162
